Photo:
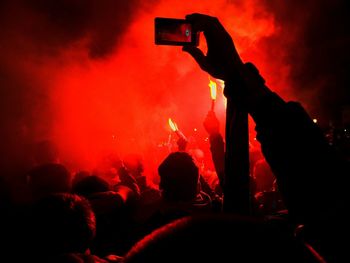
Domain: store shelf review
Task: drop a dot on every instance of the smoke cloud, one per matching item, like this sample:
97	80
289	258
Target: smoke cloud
87	75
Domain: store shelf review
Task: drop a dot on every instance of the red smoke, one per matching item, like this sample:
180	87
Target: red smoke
92	80
122	103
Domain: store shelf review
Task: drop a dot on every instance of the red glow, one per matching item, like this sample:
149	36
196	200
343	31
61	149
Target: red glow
118	104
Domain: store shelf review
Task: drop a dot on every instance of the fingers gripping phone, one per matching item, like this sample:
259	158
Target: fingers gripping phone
174	32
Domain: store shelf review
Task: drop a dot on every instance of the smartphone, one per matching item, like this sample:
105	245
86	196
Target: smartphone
174	32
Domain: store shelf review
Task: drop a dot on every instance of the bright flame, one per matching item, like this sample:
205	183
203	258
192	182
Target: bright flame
314	120
212	86
172	125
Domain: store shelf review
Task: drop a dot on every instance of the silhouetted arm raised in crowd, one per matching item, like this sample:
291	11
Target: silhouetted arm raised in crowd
308	175
217	145
181	144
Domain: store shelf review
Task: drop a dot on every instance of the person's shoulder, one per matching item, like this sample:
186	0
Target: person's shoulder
84	258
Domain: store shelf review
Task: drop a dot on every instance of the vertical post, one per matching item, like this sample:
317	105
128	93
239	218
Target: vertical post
236	180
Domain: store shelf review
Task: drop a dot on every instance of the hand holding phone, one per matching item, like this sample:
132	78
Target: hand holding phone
221	60
175	32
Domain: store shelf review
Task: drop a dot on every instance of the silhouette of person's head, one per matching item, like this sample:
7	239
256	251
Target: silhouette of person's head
48	179
220	239
62	223
178	177
79	176
91	185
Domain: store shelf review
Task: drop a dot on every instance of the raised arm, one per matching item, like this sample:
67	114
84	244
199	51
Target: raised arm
217	146
309	176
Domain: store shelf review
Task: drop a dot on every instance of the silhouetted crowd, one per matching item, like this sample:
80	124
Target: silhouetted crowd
297	192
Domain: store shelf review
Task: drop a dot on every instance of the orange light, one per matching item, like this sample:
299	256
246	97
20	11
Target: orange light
221	83
172	125
212	86
314	120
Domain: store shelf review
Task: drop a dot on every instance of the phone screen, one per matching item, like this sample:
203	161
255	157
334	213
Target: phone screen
175	32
